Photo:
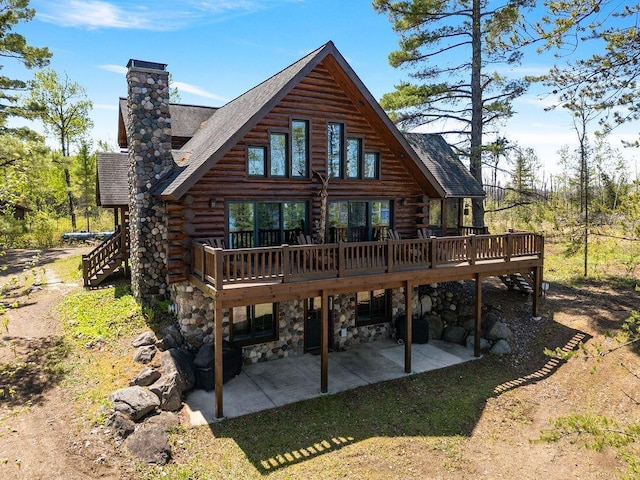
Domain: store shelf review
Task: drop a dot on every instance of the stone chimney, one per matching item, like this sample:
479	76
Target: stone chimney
150	161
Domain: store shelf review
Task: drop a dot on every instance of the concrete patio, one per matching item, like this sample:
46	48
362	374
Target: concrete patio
273	384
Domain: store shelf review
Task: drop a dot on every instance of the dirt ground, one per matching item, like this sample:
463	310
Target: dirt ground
41	435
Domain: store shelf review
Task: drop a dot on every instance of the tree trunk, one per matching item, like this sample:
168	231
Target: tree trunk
72	212
475	157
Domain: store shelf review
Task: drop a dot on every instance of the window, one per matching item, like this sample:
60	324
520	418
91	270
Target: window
264	224
253	323
372	307
278	149
299	148
335	149
257	161
354	158
371	165
358	221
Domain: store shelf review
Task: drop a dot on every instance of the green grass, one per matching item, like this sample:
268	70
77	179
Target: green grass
99	325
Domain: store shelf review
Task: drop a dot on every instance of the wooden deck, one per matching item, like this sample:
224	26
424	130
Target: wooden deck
271	274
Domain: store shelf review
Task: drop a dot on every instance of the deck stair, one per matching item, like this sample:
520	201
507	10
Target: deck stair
518	281
109	256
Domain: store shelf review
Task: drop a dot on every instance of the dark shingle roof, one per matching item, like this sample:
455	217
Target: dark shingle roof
439	158
113	179
186	120
229	124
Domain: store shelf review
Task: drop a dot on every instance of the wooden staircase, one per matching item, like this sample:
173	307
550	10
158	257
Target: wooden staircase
518	281
110	256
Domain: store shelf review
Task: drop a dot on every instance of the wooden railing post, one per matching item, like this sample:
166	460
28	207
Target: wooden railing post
342	258
218	259
390	256
433	252
508	246
285	263
85	270
471	248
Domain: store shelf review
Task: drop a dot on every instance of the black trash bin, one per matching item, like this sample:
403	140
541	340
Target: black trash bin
204	365
419	330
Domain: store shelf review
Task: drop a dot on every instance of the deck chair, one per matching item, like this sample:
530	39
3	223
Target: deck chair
424	233
215	242
303	239
393	235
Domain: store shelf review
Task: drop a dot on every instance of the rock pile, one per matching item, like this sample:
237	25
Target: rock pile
449	310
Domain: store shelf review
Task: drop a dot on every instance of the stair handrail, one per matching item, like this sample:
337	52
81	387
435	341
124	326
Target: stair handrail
100	256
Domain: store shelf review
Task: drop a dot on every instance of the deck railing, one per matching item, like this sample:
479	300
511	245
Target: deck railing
288	263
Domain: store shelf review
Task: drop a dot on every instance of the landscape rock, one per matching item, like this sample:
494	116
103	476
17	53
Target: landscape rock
436	326
145	338
484	343
498	331
426	304
164	420
173	332
144	354
166	343
122	425
177	377
168	392
489	319
454	334
501	347
146	377
150	444
135	402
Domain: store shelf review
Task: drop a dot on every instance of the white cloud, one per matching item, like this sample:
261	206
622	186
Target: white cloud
114	68
157	15
198	91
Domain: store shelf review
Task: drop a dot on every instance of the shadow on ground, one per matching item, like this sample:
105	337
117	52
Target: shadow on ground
446	402
36	368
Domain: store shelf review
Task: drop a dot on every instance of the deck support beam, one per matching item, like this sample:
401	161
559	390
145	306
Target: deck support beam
408	294
537	284
217	349
324	344
478	320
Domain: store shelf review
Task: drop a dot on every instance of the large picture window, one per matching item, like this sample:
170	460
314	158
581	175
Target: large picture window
354	158
358	220
372	306
335	149
300	148
254	323
265	224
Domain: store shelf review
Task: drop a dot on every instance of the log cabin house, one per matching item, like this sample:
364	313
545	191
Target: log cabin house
295	217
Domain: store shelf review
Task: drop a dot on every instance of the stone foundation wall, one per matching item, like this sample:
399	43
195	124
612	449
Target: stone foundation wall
448	308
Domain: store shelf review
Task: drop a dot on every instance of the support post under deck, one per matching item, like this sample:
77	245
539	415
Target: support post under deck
217	349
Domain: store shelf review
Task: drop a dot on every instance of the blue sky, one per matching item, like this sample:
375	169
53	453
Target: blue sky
218	49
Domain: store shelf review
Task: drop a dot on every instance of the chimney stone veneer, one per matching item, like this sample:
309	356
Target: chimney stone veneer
150	161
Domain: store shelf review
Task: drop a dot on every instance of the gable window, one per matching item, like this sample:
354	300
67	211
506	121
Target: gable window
354	158
372	306
371	166
299	148
265	224
257	161
335	149
253	324
358	220
279	158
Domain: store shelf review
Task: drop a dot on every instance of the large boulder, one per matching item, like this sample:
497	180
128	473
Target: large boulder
484	343
135	402
146	377
435	326
150	444
145	338
144	354
499	331
501	347
177	377
454	334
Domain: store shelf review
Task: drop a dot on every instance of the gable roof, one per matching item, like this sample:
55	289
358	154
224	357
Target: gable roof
440	159
112	186
228	125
